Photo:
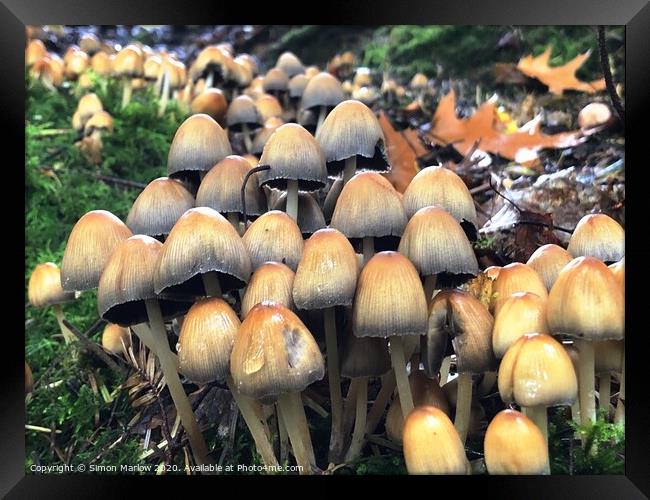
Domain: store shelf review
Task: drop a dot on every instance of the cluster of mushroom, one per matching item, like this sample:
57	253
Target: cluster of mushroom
257	259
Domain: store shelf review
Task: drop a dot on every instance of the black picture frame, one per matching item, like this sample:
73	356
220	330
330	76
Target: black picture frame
634	14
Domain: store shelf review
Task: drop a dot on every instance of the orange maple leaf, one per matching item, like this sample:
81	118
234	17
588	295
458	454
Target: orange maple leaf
485	127
559	78
403	149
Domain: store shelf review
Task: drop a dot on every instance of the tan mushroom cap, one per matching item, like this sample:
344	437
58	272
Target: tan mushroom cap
271	281
322	90
276	237
201	241
548	261
151	67
199	143
213	103
297	85
364	356
129	62
439	186
521	313
436	243
242	111
389	300
289	63
369	206
29	379
594	114
34	52
311	71
102	63
274	353
91	242
609	356
327	273
513	278
537	371
419	81
206	340
76	64
350	129
263	134
293	154
88	105
310	215
157	208
426	392
618	268
115	339
514	445
89	43
99	121
275	80
44	287
268	107
127	282
599	236
587	302
431	443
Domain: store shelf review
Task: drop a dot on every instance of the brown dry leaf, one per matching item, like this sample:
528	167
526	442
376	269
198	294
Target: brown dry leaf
559	78
484	126
403	151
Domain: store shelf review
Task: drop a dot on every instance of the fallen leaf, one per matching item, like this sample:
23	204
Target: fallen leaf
484	125
559	78
403	149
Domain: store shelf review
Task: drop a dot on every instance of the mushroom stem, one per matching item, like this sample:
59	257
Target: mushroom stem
539	417
169	366
248	143
488	381
293	415
368	248
604	392
284	437
233	218
350	405
350	169
292	199
67	334
360	421
619	417
321	118
208	81
255	425
126	92
211	284
463	405
398	361
444	370
388	384
586	381
430	287
164	99
336	438
146	337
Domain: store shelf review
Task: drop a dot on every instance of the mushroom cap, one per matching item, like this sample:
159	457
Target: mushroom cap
436	243
90	245
513	278
129	62
369	206
274	353
29	379
311	71
537	371
350	129
322	90
270	281
521	313
44	287
211	102
293	154
419	81
157	208
593	115
327	272
199	143
618	269
275	80
609	356
587	302
34	52
364	356
362	77
389	300
211	58
201	241
439	186
127	282
599	236
548	261
76	63
461	316
151	67
431	443
99	121
88	105
297	85
289	63
115	338
514	445
242	111
276	237
310	215
220	189
268	107
89	43
263	134
426	392
206	339
102	63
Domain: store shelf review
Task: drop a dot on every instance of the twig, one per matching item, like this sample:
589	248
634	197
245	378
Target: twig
609	82
373	438
95	349
116	180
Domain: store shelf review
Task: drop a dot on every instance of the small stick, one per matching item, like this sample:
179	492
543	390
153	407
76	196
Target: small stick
388	384
358	436
94	348
607	73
